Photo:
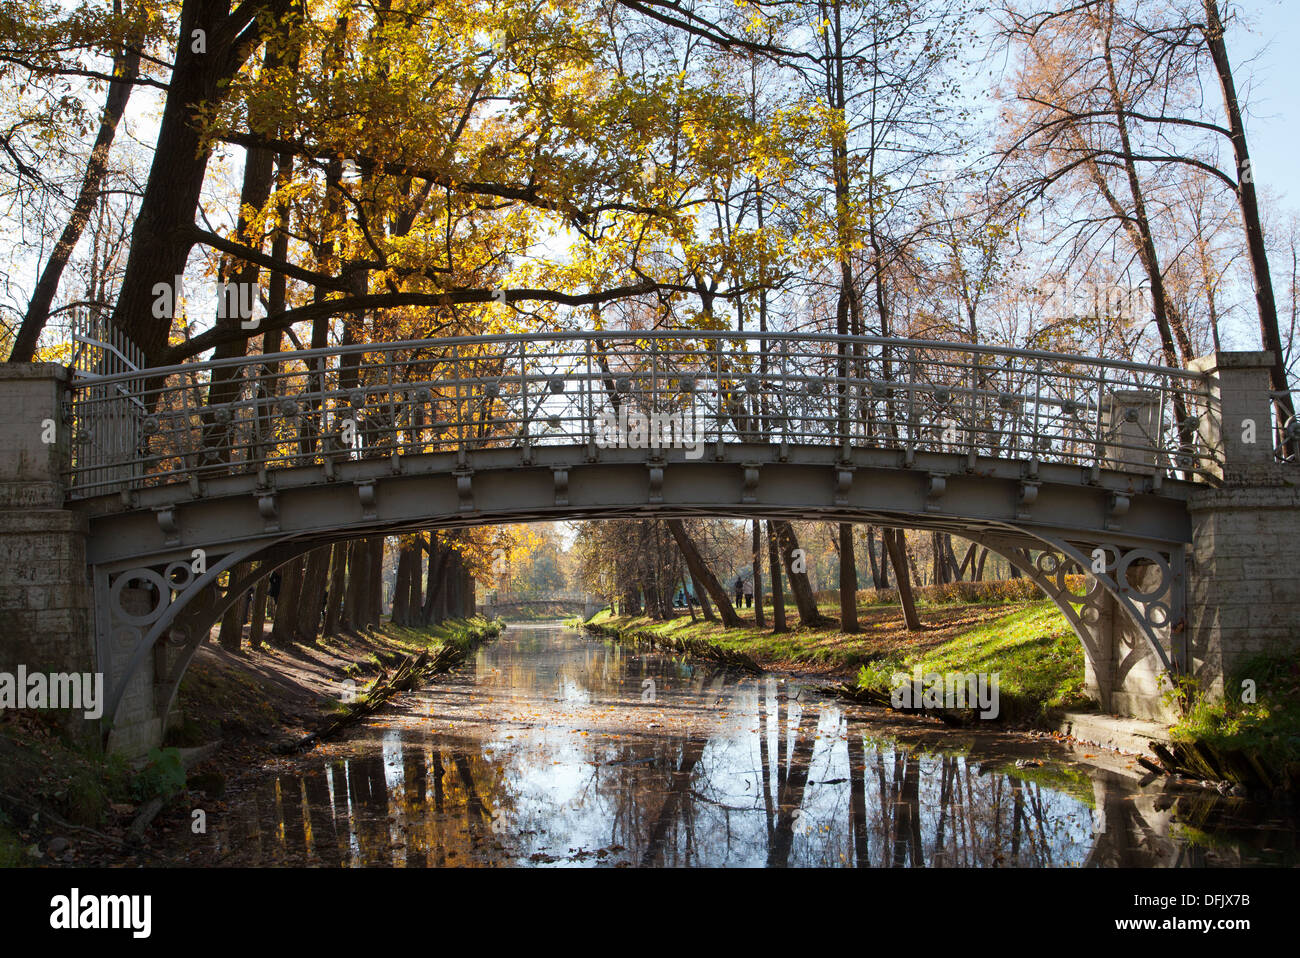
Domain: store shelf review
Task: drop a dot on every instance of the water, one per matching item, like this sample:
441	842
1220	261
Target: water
550	748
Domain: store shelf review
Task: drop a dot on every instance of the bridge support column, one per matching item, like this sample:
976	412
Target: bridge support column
1129	678
1244	574
45	598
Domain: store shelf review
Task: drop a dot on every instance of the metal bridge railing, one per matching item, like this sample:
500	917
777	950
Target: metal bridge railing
645	389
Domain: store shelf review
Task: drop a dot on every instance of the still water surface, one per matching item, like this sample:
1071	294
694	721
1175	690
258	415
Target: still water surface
551	748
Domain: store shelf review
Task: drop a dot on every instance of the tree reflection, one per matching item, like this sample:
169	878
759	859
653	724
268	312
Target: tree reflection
717	768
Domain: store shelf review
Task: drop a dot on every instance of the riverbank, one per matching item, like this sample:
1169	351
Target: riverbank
1028	643
239	711
1251	740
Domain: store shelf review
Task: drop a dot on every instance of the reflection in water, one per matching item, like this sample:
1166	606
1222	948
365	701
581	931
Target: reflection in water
553	749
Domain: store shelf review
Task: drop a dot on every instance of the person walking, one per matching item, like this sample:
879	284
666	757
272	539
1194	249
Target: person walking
749	592
740	591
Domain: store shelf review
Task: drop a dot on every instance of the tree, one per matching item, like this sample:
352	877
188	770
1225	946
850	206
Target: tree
794	562
896	544
701	574
1127	96
125	70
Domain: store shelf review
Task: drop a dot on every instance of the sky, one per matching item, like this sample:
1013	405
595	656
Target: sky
1267	70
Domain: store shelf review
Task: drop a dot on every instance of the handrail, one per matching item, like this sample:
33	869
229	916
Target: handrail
353	349
244	413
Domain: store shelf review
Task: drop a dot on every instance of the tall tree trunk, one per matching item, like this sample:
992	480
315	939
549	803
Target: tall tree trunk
415	591
311	600
778	587
706	607
896	544
286	604
338	580
756	548
799	584
433	584
701	572
232	623
1270	333
848	580
402	586
163	237
126	67
257	621
877	568
375	592
355	602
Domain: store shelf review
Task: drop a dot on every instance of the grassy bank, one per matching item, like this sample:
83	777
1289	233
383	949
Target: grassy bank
1267	727
1028	643
1033	651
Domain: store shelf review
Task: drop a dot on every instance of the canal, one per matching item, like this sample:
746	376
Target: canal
552	748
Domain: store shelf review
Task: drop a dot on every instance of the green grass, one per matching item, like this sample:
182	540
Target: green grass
459	633
793	647
1032	648
1035	654
1269	727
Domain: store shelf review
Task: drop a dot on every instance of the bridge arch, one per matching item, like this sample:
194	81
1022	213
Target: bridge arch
1045	554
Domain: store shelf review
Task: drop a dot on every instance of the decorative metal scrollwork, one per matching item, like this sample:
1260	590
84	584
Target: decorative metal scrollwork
1147	585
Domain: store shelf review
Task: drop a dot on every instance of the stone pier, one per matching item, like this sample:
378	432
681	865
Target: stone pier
46	599
1244	565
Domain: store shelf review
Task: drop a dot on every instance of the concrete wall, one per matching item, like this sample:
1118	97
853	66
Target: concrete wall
46	601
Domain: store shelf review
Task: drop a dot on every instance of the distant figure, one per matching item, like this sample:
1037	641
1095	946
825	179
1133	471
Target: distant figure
740	591
749	593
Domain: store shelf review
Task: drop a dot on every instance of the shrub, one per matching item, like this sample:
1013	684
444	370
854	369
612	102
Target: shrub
163	777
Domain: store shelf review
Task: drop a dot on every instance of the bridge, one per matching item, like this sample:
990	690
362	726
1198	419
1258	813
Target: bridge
1172	490
506	605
